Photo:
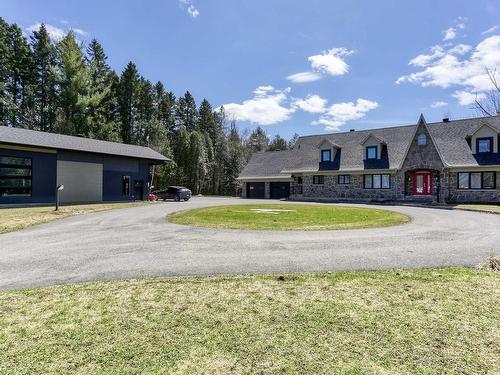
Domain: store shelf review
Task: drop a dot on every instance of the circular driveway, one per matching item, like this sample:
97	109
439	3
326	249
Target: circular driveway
138	242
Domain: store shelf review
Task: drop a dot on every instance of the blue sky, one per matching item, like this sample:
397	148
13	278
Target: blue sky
296	66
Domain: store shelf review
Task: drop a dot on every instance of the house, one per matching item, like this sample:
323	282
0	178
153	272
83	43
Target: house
448	161
33	164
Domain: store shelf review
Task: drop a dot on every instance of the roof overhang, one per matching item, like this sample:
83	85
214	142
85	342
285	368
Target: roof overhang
266	178
343	171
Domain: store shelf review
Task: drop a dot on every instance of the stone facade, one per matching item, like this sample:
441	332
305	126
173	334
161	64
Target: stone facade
456	195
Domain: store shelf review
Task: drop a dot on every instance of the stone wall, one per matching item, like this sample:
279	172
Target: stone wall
331	189
455	195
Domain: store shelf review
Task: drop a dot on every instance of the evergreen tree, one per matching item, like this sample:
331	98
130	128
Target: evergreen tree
180	152
102	84
165	108
293	141
198	161
206	120
19	82
278	144
5	57
235	161
127	92
186	113
73	83
258	141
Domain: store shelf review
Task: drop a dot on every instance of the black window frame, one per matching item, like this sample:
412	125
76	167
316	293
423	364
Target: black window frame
490	139
381	181
22	191
367	152
482	181
344	179
318	179
129	188
329	155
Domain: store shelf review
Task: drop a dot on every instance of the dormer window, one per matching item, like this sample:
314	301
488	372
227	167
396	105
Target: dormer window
371	152
484	145
326	155
422	140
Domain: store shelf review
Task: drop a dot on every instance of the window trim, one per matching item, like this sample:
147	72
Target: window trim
484	139
124	177
329	155
318	179
29	177
376	152
482	181
342	179
381	181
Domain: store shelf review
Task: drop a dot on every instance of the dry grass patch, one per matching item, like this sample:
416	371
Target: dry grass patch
288	217
390	322
489	208
12	219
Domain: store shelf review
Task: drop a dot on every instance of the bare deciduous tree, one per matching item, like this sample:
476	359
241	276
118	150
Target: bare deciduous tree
490	104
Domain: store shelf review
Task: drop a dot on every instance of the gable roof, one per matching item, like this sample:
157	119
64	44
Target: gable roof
266	164
25	137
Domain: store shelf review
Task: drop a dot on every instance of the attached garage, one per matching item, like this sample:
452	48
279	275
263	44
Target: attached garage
82	181
256	190
279	190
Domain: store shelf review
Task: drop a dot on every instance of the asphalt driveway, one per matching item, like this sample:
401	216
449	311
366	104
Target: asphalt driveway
138	242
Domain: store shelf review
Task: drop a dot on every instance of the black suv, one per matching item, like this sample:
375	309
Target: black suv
174	192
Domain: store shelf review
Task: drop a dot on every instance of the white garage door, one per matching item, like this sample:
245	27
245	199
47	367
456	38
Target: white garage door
82	181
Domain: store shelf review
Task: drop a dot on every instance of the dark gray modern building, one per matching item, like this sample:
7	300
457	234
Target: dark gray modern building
33	164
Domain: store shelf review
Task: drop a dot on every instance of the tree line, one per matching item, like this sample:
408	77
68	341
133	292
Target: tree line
69	88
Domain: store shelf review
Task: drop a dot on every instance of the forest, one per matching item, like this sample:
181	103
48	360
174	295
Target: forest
68	87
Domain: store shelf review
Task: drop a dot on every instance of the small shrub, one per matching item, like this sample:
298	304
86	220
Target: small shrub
492	263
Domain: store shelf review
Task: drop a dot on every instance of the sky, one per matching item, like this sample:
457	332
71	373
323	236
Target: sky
291	66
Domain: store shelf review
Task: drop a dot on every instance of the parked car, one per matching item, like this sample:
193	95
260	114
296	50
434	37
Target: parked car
174	192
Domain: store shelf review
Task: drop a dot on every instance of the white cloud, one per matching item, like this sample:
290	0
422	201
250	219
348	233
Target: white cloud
190	8
80	32
438	104
340	113
459	65
467	98
311	104
331	62
54	32
490	30
449	33
267	107
304	77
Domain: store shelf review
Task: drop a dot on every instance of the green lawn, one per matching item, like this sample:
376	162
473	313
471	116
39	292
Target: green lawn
288	217
19	218
387	322
490	208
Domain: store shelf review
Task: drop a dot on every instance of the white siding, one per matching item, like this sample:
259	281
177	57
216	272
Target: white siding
82	181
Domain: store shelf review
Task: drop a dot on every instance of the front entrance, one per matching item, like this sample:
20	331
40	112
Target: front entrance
138	190
422	183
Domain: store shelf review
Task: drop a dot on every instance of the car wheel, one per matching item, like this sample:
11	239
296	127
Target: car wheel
177	198
186	199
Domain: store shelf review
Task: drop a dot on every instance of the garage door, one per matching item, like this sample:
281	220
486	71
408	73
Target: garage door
82	181
255	190
279	190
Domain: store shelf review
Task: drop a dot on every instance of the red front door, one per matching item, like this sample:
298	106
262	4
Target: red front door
422	183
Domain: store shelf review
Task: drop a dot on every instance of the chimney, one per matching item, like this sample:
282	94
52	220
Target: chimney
352	130
446	119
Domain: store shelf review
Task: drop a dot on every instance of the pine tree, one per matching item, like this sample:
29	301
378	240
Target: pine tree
198	161
127	92
180	152
165	108
73	83
293	141
186	113
44	62
278	144
102	84
206	120
258	141
19	82
234	162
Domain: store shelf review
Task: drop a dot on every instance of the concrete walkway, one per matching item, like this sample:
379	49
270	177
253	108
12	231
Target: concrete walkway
138	242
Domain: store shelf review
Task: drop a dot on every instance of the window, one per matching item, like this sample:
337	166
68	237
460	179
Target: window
371	152
484	145
377	181
126	185
422	140
318	180
476	180
299	180
15	176
344	179
326	155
